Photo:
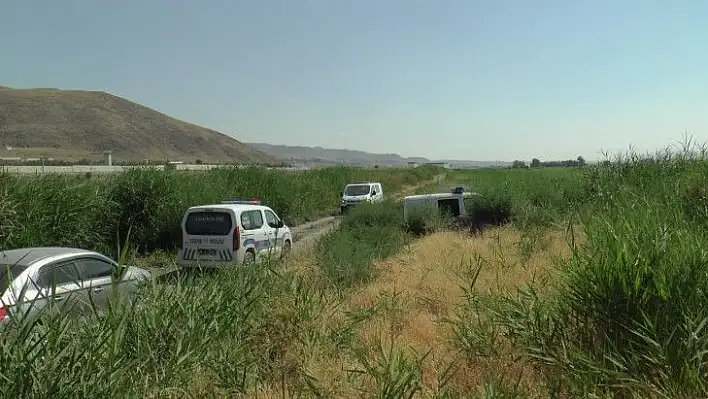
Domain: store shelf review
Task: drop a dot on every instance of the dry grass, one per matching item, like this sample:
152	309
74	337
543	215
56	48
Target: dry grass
417	291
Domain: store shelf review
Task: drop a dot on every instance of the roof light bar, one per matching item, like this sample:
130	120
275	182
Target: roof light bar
244	201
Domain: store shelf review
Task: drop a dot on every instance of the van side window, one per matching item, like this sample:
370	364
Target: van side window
449	207
271	219
251	220
246	221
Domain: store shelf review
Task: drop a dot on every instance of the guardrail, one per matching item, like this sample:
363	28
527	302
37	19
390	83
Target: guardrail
74	169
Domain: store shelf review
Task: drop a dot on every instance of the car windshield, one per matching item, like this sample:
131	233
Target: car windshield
358	189
9	273
208	223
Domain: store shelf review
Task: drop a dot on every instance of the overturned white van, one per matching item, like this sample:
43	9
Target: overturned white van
451	203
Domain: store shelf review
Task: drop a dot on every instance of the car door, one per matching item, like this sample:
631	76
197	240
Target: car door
274	237
255	231
61	285
96	275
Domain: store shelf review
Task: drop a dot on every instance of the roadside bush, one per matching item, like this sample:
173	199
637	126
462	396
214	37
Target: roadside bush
182	332
142	197
494	207
628	315
367	233
695	199
60	210
422	221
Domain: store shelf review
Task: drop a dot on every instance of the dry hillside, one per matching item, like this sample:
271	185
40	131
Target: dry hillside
75	124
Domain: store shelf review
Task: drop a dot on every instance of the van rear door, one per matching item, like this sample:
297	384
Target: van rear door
208	235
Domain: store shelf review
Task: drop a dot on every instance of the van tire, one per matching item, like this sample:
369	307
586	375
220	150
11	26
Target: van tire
249	257
287	248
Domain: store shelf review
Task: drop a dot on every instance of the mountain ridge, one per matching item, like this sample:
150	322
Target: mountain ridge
322	155
81	124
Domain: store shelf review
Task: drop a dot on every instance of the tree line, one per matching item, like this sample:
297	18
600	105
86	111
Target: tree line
537	163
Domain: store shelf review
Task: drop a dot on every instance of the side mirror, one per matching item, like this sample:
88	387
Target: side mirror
280	224
373	193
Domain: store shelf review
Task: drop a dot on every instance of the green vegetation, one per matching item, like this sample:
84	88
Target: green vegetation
624	315
528	198
91	212
227	332
369	232
630	312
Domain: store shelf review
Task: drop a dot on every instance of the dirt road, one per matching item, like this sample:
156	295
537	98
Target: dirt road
306	235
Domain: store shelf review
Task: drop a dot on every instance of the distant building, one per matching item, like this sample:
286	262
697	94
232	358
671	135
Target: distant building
439	164
412	164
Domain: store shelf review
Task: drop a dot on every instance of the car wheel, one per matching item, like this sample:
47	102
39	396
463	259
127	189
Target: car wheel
249	258
287	248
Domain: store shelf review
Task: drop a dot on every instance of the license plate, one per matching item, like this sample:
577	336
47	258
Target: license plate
207	252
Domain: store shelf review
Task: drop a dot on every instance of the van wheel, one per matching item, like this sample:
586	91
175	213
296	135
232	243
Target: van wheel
285	252
249	258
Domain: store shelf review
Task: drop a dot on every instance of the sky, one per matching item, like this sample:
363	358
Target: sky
460	79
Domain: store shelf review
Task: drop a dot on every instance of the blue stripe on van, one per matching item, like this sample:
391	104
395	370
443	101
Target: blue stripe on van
258	244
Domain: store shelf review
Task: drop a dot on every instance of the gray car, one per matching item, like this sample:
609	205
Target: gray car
31	278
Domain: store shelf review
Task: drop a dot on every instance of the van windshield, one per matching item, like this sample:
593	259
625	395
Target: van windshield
357	189
208	224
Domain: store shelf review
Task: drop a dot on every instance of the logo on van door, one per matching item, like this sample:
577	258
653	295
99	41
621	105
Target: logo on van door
209	241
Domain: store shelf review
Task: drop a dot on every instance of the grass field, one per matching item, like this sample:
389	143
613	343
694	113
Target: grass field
92	212
593	284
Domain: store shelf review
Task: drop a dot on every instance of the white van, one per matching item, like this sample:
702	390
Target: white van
238	231
359	192
453	203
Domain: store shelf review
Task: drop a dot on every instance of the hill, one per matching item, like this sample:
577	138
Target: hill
330	155
319	155
77	124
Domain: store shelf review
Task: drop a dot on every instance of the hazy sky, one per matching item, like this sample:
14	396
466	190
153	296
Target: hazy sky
482	80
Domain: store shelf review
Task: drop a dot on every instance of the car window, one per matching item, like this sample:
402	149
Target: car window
271	219
251	220
246	221
58	274
208	223
8	273
92	268
449	207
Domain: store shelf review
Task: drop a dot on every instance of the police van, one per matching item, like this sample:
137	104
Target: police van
237	231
